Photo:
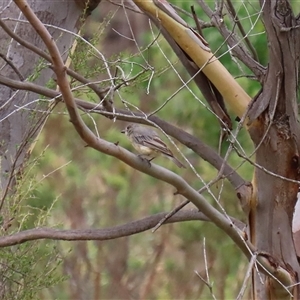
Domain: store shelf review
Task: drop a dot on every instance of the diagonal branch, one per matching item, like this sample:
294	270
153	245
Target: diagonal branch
101	145
203	83
195	47
204	151
183	188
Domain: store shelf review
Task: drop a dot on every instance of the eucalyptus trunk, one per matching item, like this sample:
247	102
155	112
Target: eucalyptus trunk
275	132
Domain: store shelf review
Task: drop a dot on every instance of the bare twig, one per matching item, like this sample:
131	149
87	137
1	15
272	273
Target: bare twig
198	26
134	9
264	169
10	63
242	30
247	276
191	15
236	46
186	202
170	214
207	281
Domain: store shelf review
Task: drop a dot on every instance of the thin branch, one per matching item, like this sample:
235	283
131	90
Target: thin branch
100	92
242	30
192	15
170	214
127	229
206	281
264	169
247	276
10	63
134	8
186	202
235	45
198	26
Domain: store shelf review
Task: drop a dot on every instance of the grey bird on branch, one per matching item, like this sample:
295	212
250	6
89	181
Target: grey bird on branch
148	144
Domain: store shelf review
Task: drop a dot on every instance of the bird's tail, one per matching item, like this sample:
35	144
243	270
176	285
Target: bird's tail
177	162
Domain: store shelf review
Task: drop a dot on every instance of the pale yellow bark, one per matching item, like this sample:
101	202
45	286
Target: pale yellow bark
234	95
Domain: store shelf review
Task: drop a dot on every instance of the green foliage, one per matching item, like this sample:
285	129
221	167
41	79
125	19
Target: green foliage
87	189
42	64
28	268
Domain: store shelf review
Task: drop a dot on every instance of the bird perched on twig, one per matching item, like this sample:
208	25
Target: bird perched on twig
148	144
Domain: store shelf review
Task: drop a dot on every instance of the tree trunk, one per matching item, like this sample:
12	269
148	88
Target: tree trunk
22	116
20	113
275	133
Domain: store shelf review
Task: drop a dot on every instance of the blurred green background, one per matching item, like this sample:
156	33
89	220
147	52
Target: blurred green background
74	187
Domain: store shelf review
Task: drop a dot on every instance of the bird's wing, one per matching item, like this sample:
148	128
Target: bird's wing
151	139
156	143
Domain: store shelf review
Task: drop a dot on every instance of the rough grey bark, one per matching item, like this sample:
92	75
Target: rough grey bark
18	125
21	117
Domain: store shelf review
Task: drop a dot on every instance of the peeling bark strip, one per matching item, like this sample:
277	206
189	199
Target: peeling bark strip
282	33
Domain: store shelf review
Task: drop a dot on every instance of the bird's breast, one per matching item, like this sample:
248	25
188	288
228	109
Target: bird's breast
145	150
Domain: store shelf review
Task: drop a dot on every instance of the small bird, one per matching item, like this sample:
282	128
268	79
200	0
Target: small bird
148	144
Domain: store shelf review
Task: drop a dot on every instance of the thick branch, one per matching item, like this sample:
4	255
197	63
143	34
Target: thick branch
203	150
196	145
155	171
106	233
183	188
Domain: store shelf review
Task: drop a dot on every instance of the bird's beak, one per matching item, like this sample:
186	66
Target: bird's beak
123	131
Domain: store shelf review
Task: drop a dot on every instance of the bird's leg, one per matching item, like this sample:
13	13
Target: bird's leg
143	158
